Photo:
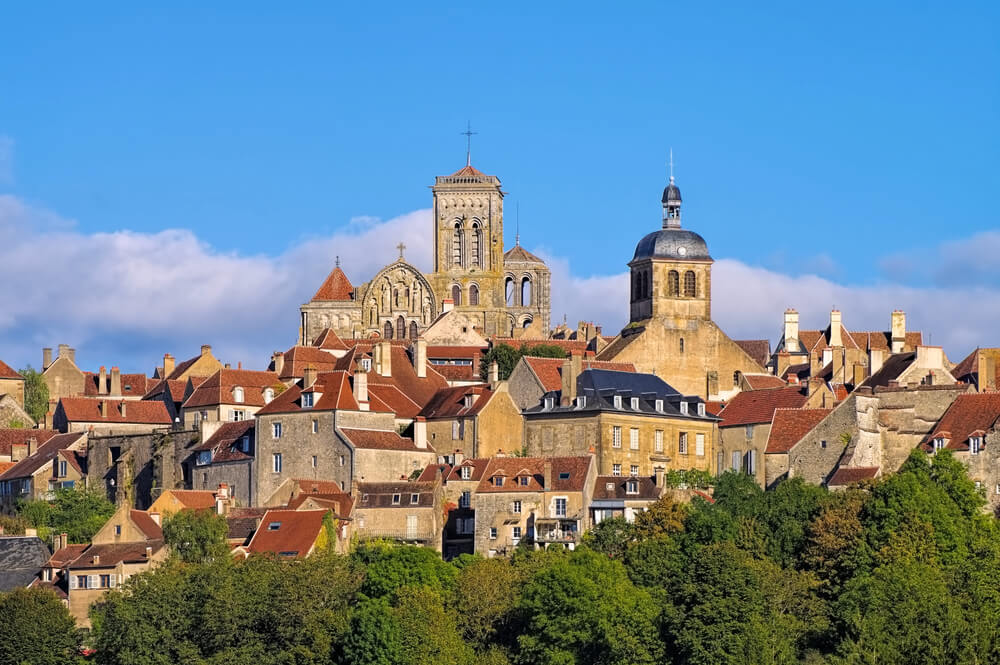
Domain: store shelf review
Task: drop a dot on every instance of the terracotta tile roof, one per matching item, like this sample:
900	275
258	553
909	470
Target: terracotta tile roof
336	286
379	440
298	358
133	385
146	524
66	555
764	381
112	554
454	473
758	406
616	487
76	459
790	425
194	499
518	253
224	443
468	169
549	370
758	349
849	475
714	408
218	388
330	340
971	414
10	436
5	466
840	392
451	402
817	340
180	368
46	453
287	533
174	387
7	372
968	365
380	495
88	410
339	502
242	522
568	474
457	372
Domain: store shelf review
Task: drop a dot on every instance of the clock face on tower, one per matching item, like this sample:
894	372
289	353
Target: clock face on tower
681	251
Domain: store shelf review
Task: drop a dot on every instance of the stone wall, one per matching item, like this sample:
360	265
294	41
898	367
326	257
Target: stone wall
135	468
816	455
524	387
238	475
734	440
499	426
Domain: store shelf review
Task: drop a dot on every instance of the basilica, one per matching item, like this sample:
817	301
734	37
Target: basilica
500	293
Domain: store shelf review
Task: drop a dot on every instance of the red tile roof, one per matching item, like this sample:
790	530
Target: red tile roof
328	339
66	555
298	358
764	381
549	370
518	253
817	340
790	425
758	406
512	468
468	169
454	473
76	459
46	453
338	501
616	487
7	372
714	408
380	440
450	402
219	388
10	436
146	524
133	385
849	475
971	414
288	533
174	387
457	372
110	555
758	349
336	286
224	443
88	410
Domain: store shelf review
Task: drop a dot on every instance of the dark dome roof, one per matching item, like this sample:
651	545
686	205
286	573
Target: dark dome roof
676	244
671	192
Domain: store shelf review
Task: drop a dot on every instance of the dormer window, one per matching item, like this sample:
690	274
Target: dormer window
635	403
524	480
938	444
245	444
618	401
550	402
610	487
701	409
414	498
581	401
204	457
466	472
395	499
659	405
238	395
366	364
268	395
975	445
307	400
497	481
469	399
632	487
684	408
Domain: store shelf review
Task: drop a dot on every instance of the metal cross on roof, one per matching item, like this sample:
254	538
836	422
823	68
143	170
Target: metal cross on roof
468	134
400	247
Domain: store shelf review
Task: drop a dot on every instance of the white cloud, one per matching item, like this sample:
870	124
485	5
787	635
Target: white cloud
126	297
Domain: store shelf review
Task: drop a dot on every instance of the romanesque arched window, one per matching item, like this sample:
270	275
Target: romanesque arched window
456	294
673	283
477	245
414	333
387	333
690	284
457	240
508	287
473	295
526	291
401	328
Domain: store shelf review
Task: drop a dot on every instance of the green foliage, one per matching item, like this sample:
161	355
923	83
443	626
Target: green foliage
78	512
36	394
36	629
13	525
506	357
693	478
390	567
196	535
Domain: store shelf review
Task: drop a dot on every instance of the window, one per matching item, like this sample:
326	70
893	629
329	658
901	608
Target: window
364	498
477	244
684	408
633	470
701	409
315	426
366	364
473	295
515	507
62	468
581	401
658	441
238	395
748	432
616	436
276	462
268	395
938	444
618	401
456	294
737	460
690	284
81	581
561	506
457	427
245	443
526	291
466	472
524	480
682	345
314	461
307	400
118	529
204	457
515	532
822	443
550	402
975	445
493	533
465	500
564	475
979	485
273	526
635	403
673	283
736	378
750	462
633	438
457	240
497	481
682	443
616	469
343	460
659	405
387	330
395	499
632	487
997	489
275	430
699	444
236	415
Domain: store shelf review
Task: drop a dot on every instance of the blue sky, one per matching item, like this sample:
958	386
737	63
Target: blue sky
854	143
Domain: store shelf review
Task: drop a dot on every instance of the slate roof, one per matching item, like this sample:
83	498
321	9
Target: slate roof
893	366
789	426
752	407
758	349
616	487
10	436
218	388
88	410
549	370
379	495
850	475
569	474
21	558
971	414
7	372
336	286
45	454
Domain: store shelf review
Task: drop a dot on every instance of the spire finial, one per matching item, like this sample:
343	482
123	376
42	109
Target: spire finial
671	165
337	260
468	134
517	233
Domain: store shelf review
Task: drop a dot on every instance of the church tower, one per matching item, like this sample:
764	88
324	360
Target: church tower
671	271
468	246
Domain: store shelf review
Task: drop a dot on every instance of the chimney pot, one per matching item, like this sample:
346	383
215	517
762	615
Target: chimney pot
206	349
420	358
116	382
46	358
547	476
102	381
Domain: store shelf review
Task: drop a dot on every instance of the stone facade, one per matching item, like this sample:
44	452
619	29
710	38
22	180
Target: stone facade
408	512
134	468
742	449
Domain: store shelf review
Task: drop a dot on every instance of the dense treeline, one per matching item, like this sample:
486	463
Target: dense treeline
905	570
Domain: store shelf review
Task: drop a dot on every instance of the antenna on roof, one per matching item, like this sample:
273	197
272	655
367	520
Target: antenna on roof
671	165
517	234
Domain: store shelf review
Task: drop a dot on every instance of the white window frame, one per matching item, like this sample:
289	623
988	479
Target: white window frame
276	430
633	438
493	533
616	436
658	441
632	487
560	506
682	443
307	400
659	405
618	401
635	403
975	445
699	444
684	408
239	396
238	415
616	470
466	473
276	463
633	470
515	507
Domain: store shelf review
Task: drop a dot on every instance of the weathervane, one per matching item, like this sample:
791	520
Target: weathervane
468	134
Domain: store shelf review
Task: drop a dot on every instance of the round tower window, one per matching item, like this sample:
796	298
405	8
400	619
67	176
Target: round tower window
682	251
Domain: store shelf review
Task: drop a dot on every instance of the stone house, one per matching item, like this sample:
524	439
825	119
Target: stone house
970	428
109	416
16	443
746	425
293	363
175	500
407	512
981	368
293	534
69	468
32	477
229	395
11	383
615	496
537	501
788	426
13	415
476	420
225	458
459	483
62	376
173	393
633	423
200	366
532	377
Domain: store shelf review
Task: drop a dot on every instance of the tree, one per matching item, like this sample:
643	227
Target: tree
611	537
389	566
78	512
485	595
428	631
664	517
36	628
374	637
197	536
36	394
506	357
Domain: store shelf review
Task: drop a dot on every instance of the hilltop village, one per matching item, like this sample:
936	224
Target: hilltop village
445	410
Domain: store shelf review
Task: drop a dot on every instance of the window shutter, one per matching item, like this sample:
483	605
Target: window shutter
93	581
72	581
114	581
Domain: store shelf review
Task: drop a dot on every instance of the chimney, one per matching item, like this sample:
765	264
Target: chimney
222	499
658	476
494	373
155	517
149	552
930	357
116	382
447	305
63	351
97	559
898	330
32	446
206	349
420	358
123	409
859	374
385	354
874	361
571	369
308	377
361	387
63	540
104	409
278	359
227	366
46	358
838	366
102	381
459	457
420	432
547	486
791	331
168	365
835	324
